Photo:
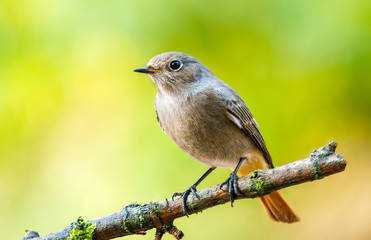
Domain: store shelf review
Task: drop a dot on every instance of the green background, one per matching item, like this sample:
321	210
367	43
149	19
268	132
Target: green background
78	132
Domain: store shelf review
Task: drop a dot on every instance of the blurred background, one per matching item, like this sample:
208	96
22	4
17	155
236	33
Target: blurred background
78	131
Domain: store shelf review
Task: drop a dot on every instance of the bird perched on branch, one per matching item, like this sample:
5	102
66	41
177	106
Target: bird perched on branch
209	121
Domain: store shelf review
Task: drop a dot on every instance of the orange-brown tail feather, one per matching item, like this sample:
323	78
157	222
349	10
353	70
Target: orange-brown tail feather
278	209
276	206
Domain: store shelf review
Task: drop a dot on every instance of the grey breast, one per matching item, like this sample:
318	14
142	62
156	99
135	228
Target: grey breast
198	124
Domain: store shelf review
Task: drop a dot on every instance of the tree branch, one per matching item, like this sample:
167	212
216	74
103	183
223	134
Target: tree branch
137	219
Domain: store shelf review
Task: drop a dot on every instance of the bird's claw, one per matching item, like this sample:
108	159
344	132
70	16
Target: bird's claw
231	182
184	195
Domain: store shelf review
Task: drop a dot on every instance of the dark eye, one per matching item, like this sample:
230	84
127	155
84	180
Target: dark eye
175	65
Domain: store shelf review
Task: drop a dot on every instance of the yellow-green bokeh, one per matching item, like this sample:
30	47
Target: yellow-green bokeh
78	132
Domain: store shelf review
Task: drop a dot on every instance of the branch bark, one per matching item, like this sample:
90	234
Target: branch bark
137	219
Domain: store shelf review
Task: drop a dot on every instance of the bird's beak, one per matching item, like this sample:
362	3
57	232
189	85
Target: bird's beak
147	70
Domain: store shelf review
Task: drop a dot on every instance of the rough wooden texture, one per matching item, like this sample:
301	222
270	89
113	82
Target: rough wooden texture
137	219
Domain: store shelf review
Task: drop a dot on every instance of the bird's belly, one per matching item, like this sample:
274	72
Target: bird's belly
209	137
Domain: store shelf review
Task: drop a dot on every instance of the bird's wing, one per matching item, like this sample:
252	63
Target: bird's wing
239	113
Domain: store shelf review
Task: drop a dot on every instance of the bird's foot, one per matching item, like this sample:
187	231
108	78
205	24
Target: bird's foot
231	182
184	195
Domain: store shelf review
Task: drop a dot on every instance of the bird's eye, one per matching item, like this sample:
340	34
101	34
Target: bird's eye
175	65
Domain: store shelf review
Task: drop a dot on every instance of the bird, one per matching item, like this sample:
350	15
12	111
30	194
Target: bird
210	122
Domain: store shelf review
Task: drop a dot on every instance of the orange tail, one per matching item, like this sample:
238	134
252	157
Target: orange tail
278	209
276	206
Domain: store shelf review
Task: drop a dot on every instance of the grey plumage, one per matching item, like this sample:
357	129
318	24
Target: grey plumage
203	115
209	121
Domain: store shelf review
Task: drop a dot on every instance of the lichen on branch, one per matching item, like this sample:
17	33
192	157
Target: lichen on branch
137	219
82	230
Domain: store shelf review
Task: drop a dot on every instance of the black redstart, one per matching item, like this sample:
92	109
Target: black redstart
209	121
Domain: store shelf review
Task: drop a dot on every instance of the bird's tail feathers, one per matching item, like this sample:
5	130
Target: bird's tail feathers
278	208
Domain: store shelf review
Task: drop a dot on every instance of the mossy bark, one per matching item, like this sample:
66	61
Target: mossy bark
137	219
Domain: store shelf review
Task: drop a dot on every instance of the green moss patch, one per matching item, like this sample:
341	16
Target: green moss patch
82	230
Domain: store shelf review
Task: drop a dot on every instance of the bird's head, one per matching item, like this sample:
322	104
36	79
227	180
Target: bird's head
174	71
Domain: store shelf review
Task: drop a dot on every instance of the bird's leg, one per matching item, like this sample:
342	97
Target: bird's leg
192	189
232	182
